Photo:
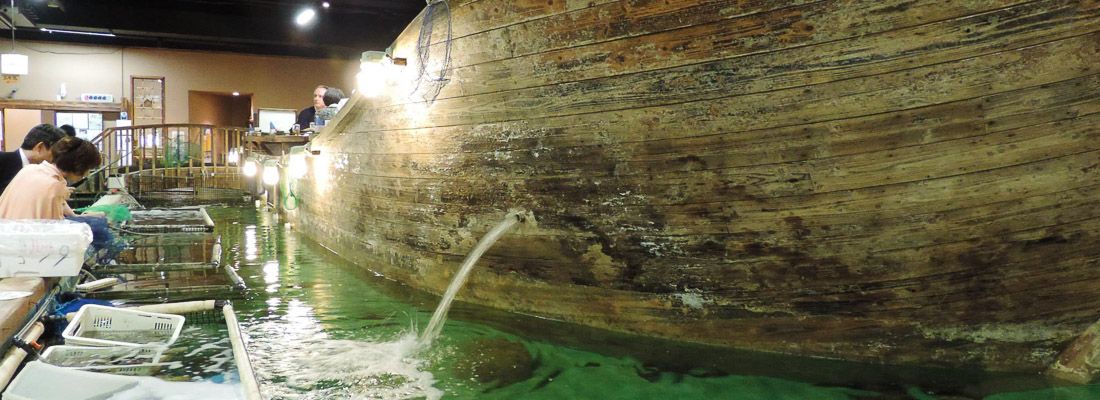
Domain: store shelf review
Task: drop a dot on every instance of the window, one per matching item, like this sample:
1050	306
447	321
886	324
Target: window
88	125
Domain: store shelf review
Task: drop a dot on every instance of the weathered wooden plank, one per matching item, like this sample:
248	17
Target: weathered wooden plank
769	22
684	186
817	193
810	268
759	259
800	67
835	233
919	40
922	86
635	312
419	246
482	18
600	23
714	153
471	17
828	226
562	142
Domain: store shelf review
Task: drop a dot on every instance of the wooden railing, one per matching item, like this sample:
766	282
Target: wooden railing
167	151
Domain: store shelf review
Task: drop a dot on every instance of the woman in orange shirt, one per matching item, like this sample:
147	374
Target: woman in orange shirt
39	191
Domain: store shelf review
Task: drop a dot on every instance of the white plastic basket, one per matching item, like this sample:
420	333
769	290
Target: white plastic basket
96	325
129	370
118	360
91	357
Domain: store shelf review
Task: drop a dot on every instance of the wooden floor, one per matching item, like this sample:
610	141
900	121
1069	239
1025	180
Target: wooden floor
890	181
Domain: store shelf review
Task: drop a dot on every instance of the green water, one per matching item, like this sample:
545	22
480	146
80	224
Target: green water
319	327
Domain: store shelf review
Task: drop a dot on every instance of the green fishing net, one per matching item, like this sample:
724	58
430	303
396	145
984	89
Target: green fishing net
114	212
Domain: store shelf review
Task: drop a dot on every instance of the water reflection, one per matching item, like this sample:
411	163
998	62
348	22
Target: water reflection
271	276
251	252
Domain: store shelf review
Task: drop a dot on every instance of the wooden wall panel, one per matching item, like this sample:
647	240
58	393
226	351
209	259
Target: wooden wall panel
862	180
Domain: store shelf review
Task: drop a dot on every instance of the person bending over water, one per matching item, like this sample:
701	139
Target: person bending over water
39	191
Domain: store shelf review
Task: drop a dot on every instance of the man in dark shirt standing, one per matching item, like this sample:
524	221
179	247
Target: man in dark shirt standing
35	149
306	116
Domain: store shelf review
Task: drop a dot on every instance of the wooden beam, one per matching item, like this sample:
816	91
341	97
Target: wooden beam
61	105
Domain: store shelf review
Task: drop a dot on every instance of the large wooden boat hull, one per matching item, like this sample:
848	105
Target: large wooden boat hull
888	181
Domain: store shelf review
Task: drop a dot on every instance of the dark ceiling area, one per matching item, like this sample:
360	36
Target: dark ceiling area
342	30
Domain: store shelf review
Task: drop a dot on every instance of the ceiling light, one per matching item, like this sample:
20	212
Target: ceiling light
325	4
236	93
305	16
108	34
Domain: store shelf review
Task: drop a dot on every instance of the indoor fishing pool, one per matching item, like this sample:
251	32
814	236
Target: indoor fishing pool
319	327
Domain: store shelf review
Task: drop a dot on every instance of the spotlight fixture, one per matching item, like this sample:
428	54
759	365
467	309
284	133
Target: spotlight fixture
305	17
271	172
233	157
375	69
297	166
250	168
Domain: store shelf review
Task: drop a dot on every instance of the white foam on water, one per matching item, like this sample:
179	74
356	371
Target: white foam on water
323	369
156	389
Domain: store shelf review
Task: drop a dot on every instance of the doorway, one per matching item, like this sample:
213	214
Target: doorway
219	108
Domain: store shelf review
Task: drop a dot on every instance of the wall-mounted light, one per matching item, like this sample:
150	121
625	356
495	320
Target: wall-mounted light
305	16
375	68
236	93
271	172
298	167
250	168
232	157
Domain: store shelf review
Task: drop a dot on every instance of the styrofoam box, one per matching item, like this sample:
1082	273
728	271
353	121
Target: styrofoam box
95	318
42	248
41	381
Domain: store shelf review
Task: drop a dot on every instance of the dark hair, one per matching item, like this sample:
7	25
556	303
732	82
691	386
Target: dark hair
44	133
75	155
333	96
69	130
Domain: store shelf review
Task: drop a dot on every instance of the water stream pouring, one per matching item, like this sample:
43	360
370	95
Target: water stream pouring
440	314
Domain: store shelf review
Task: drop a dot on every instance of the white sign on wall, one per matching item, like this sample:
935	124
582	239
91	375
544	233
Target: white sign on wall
97	98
